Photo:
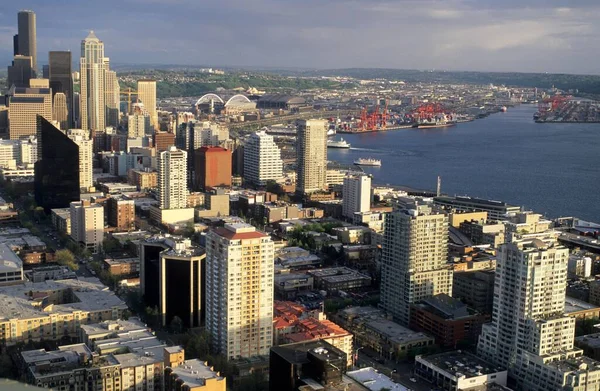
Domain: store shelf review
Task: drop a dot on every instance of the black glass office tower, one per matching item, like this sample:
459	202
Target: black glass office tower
59	73
57	169
27	41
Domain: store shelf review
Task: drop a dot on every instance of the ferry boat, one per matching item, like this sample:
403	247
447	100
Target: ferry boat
368	162
338	144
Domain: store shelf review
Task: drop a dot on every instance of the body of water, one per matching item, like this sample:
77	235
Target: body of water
552	169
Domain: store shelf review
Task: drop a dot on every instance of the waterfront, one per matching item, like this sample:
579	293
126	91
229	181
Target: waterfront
551	168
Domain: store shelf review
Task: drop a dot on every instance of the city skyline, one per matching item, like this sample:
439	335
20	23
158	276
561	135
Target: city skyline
453	35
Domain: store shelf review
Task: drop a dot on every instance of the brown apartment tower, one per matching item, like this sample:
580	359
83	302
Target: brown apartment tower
213	167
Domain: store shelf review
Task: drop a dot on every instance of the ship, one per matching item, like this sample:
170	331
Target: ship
338	144
368	162
440	121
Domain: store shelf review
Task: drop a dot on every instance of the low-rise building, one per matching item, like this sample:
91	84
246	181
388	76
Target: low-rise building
11	266
143	180
288	285
51	310
580	310
372	329
296	258
61	220
451	322
354	235
53	272
339	279
459	371
193	375
122	266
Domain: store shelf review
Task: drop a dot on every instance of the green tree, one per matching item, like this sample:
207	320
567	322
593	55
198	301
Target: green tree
176	325
65	257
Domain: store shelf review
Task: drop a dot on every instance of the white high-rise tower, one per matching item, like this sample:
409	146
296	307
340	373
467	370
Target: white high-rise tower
92	69
172	179
262	159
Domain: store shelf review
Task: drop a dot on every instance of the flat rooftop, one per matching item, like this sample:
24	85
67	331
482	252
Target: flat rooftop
90	295
9	261
374	380
574	305
194	373
338	274
459	364
580	364
396	332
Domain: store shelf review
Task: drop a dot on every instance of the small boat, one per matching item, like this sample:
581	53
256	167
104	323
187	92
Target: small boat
368	162
330	132
338	144
503	109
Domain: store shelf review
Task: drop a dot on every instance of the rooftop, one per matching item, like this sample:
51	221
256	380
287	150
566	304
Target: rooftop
194	373
573	305
297	353
89	294
581	364
9	261
373	380
239	231
395	332
445	306
461	364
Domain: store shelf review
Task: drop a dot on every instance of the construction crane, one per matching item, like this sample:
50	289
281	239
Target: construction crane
376	120
129	91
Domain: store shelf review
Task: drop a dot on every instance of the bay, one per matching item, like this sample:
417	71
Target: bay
553	169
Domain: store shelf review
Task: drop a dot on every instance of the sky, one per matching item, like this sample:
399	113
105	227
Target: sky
483	35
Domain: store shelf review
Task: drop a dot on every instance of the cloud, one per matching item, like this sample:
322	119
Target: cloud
525	35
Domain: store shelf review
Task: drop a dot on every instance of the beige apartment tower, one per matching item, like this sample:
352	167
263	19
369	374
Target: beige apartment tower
239	290
112	93
172	179
92	75
87	224
147	94
311	150
414	259
86	155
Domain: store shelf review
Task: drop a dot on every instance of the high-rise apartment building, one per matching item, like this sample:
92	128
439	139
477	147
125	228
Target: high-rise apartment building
213	167
112	97
120	213
414	259
24	104
138	125
92	69
60	111
147	94
27	41
262	159
163	140
61	80
57	170
172	179
356	195
172	275
87	224
239	290
86	155
311	149
529	333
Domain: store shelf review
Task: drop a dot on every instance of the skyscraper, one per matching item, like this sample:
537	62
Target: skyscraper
414	259
61	80
239	290
60	111
356	195
213	167
529	333
262	159
147	94
137	125
86	154
92	68
57	170
20	72
112	91
27	45
172	179
311	149
24	104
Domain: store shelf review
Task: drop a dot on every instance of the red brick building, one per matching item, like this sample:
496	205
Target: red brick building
212	167
451	322
163	140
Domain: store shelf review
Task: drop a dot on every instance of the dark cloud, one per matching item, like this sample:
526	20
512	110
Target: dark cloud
519	35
